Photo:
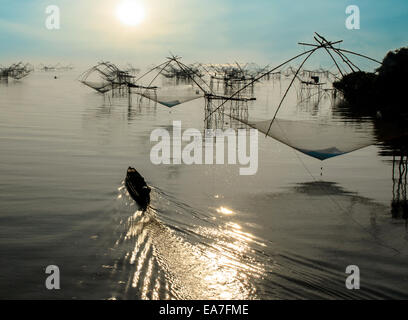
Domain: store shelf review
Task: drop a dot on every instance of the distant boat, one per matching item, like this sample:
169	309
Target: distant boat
137	188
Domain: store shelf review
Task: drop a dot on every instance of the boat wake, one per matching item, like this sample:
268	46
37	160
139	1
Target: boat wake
159	262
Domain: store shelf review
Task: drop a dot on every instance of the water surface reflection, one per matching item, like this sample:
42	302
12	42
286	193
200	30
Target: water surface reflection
161	264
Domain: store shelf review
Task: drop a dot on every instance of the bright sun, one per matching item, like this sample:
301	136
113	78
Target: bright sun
130	12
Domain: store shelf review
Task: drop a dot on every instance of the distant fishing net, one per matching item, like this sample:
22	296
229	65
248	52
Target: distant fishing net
101	87
316	139
172	96
16	71
106	76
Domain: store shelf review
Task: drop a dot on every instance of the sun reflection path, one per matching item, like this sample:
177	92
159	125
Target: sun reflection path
159	264
225	211
230	262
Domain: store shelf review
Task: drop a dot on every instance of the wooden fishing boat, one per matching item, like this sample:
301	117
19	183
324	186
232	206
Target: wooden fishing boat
137	188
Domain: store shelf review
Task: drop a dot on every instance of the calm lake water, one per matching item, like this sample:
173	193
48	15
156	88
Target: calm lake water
288	232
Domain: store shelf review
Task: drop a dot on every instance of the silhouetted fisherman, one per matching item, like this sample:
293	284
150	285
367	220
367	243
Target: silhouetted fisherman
137	188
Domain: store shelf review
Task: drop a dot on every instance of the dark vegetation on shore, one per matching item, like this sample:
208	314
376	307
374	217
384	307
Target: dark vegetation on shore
383	90
382	96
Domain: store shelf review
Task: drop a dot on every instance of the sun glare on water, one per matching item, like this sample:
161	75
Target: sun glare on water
130	12
225	211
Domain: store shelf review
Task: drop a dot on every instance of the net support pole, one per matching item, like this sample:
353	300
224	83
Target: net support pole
290	85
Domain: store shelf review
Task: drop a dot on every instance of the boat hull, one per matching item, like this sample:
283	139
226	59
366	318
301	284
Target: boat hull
137	188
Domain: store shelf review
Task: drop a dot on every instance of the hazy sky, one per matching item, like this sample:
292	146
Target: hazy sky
263	31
